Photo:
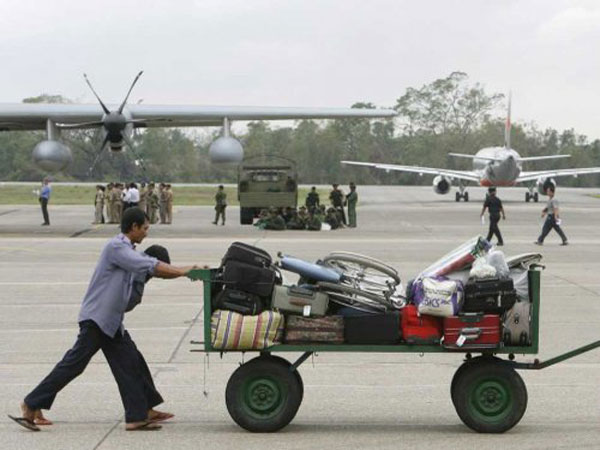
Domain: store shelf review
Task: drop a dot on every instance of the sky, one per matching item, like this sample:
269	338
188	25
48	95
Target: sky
307	52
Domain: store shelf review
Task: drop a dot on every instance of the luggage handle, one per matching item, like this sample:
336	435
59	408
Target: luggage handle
299	302
471	317
468	334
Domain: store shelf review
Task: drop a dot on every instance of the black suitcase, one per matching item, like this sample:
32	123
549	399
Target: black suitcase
238	301
377	329
489	295
248	278
238	251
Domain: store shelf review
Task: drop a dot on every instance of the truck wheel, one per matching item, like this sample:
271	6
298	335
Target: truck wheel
263	395
489	396
246	216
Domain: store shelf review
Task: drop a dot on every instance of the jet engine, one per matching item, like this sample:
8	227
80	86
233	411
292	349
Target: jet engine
226	150
544	183
52	156
441	185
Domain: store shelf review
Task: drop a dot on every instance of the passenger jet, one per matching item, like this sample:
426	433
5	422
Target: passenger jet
492	166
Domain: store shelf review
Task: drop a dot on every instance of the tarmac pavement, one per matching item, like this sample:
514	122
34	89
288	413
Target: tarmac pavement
351	400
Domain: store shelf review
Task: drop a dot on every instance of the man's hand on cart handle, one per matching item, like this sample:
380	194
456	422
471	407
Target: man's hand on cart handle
164	270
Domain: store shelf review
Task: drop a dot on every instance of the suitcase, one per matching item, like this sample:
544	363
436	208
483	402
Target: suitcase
472	330
517	325
238	251
321	330
420	329
489	295
372	328
249	278
238	301
232	331
297	300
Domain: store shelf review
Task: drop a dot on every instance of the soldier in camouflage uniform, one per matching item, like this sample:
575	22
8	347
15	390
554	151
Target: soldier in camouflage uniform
162	203
108	202
295	222
314	222
143	203
312	199
351	201
274	221
336	197
99	205
152	203
220	205
168	204
332	219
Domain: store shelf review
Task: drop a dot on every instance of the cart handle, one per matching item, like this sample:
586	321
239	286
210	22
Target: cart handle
538	365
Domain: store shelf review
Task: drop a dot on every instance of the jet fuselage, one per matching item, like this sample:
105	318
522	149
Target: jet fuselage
502	171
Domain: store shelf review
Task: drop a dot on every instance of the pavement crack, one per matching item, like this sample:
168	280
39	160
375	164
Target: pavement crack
3	213
184	335
108	433
591	291
80	232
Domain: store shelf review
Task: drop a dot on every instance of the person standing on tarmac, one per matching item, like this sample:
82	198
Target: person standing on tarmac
336	197
220	205
312	200
44	199
99	205
351	200
552	219
495	208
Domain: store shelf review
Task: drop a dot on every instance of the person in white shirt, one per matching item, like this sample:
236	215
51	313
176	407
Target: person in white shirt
134	195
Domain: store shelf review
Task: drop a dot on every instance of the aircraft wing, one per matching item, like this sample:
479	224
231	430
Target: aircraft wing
33	116
459	174
529	176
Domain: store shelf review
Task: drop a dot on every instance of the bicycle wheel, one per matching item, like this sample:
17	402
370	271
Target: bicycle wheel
349	296
364	273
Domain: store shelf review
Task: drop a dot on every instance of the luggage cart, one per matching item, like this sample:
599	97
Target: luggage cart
265	393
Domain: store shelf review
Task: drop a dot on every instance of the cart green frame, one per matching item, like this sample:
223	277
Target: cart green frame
264	394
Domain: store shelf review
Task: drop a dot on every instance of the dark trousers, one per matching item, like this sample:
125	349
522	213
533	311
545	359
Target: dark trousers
550	224
44	203
340	209
220	212
128	366
494	230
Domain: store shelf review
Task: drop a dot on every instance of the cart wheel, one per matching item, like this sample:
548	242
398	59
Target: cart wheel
263	395
489	397
288	365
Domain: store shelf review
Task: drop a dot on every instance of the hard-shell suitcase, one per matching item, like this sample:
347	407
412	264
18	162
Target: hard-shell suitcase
420	329
489	295
249	278
238	301
372	328
317	330
297	300
517	325
238	251
472	330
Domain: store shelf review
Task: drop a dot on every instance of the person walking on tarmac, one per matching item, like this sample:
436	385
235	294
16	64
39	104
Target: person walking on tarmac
101	328
351	200
552	219
336	197
495	208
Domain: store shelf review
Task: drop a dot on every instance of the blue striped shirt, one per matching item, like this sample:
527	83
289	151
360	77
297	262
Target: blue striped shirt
45	192
110	288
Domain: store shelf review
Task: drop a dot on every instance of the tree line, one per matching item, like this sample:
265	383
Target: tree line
448	115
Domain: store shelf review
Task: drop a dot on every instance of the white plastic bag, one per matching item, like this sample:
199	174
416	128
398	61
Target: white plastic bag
496	259
481	269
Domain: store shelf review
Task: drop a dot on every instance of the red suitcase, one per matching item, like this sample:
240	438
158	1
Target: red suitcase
420	329
472	330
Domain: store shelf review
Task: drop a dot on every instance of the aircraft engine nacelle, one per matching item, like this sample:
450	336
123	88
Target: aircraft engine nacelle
544	183
441	185
226	150
52	156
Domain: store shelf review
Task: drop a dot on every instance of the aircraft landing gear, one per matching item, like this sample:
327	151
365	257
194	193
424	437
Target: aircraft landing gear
462	194
531	196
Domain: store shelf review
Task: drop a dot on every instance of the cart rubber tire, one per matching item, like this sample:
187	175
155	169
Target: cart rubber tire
466	196
263	395
465	365
528	196
246	216
536	197
457	197
489	396
288	365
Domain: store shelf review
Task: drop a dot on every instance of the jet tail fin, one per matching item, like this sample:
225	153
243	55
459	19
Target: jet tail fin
540	158
508	124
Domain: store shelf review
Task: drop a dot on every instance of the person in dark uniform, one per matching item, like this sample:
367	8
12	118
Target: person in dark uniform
494	206
312	200
336	197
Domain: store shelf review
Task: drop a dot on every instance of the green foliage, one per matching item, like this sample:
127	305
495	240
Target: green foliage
447	115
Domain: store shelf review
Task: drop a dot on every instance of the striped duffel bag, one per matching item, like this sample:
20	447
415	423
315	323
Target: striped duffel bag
234	331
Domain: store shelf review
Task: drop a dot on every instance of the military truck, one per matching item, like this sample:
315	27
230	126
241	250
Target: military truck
266	181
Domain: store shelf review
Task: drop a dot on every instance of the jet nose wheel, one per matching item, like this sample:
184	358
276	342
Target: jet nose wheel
535	197
527	197
464	196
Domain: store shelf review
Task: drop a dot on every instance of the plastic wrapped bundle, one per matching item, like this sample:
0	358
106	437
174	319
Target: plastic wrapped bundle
459	258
